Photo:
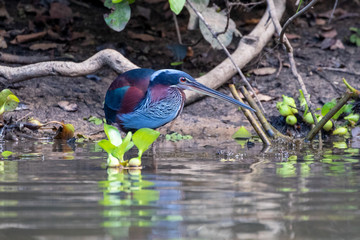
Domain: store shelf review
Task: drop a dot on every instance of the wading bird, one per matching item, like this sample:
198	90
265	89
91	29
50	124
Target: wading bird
144	98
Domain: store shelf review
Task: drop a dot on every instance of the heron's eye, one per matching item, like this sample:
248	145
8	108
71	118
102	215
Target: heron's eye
182	80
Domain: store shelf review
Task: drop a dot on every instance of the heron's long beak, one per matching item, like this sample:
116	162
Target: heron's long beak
198	87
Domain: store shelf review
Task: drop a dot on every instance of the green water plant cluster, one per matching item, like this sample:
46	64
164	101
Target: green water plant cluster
116	147
287	108
174	137
344	118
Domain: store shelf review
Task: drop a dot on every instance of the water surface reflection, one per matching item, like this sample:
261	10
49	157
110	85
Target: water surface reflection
50	191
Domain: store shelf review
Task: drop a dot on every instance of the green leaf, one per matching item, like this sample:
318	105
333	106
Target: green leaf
358	42
340	131
11	103
176	63
113	134
308	118
143	138
329	105
352	117
106	145
116	1
119	16
289	101
8	101
300	3
354	29
125	146
303	103
328	125
2	109
6	154
348	108
3	95
95	120
353	38
242	133
291	120
284	109
177	5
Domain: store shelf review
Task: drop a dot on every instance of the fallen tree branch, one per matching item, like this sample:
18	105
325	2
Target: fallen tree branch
340	70
108	57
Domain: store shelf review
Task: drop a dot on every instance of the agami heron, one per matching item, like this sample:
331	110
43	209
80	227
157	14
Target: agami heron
144	98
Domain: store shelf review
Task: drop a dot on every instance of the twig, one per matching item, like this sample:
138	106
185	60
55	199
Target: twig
280	65
177	28
333	10
26	115
227	53
108	57
250	117
80	3
246	5
340	70
292	18
228	10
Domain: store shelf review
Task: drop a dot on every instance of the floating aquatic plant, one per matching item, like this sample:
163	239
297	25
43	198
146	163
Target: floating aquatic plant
116	147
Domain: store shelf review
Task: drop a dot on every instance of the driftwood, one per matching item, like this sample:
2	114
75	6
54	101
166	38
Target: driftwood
248	48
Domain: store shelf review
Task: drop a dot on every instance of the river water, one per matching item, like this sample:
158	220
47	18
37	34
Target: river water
185	191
